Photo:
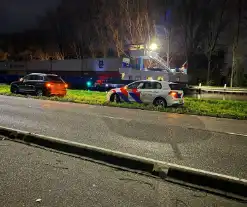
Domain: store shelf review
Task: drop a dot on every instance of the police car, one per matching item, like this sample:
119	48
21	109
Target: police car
159	93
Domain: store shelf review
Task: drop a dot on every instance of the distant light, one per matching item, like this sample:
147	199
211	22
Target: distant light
89	83
153	46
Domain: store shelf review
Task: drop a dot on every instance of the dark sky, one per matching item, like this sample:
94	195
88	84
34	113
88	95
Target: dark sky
18	15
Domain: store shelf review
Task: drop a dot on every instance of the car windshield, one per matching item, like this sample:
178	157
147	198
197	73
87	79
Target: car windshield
54	78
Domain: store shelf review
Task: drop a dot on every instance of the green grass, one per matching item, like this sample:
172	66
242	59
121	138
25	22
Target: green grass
4	89
207	107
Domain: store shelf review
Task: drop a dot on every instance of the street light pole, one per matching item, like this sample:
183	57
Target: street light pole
168	47
168	50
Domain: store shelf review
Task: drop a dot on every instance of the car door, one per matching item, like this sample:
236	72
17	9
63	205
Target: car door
30	83
133	92
150	90
23	85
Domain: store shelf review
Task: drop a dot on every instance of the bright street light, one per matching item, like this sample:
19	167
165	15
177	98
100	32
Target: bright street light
153	46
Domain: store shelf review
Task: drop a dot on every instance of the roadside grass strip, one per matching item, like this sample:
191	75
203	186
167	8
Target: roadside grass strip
204	107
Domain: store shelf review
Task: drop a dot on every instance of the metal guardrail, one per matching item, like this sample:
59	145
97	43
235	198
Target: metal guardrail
236	91
206	88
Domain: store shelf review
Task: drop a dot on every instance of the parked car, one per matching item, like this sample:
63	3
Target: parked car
40	84
159	93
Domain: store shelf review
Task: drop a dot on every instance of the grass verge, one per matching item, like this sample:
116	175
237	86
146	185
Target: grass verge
216	108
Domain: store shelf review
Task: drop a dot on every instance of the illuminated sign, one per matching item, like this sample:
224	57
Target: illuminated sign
136	47
126	60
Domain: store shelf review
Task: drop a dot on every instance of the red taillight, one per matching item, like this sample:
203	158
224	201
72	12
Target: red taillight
174	94
66	85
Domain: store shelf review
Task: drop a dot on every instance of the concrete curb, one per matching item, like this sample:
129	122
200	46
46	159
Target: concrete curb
213	182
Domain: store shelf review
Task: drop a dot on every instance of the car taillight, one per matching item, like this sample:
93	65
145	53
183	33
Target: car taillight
174	94
66	85
48	85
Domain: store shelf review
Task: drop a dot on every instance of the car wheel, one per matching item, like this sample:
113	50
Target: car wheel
160	102
39	92
14	89
115	98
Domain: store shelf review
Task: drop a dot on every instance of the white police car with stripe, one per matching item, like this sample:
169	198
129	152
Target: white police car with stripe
159	93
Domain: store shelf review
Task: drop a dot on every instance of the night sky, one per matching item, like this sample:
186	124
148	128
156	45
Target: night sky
18	15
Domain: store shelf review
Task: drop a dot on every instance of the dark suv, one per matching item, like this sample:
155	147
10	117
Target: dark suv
40	84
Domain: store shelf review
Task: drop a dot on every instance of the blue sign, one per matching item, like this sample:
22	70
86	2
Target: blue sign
101	64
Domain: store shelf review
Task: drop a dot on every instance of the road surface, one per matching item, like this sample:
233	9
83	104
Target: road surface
187	140
32	177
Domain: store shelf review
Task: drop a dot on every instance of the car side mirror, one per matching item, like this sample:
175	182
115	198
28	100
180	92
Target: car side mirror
21	79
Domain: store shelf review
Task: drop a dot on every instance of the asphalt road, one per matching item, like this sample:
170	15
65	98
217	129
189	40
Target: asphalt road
162	136
33	177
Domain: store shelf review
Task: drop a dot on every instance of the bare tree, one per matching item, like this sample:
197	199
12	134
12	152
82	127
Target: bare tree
85	39
116	35
54	19
58	56
99	25
41	55
136	21
114	29
102	39
190	16
235	45
82	20
215	26
3	56
92	49
130	23
76	50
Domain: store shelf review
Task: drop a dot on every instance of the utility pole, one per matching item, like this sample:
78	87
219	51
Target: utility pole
168	47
